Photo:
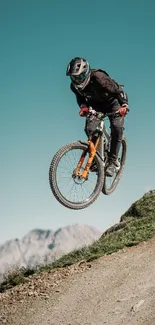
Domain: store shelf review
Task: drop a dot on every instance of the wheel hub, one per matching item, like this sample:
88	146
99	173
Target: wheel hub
77	177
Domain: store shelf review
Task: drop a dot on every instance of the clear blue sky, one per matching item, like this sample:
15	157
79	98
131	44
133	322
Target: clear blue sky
39	114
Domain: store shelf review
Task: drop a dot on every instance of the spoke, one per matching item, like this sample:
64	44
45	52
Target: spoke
78	190
67	161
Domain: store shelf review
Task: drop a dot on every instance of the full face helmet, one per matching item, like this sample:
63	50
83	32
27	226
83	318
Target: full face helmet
79	71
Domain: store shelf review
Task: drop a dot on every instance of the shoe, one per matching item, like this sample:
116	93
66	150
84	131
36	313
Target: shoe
112	167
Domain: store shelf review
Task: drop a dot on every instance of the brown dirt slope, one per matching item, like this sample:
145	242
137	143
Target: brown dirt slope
113	289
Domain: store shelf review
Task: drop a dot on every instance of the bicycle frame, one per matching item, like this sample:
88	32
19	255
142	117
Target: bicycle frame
92	152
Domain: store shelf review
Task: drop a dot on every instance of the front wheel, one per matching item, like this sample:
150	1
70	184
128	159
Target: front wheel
74	192
109	183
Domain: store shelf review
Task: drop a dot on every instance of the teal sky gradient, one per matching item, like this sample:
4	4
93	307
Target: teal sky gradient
39	114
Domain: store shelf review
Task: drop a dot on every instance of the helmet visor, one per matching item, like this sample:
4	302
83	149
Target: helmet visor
81	77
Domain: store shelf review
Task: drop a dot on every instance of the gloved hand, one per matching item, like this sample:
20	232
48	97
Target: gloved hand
84	111
123	110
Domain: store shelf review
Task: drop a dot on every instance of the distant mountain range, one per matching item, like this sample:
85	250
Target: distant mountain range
44	246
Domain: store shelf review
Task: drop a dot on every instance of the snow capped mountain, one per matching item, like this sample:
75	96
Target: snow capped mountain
44	246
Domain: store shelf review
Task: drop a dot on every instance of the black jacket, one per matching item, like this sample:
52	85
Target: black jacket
100	93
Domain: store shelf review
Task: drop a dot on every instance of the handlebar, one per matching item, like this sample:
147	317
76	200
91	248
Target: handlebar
102	115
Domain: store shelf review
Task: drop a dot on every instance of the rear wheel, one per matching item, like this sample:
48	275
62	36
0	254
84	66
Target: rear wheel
74	192
110	183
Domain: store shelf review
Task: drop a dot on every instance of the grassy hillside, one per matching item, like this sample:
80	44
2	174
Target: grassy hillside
137	224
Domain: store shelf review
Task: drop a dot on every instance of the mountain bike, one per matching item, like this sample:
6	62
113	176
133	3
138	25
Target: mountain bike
81	173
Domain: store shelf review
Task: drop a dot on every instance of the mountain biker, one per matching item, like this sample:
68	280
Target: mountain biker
95	89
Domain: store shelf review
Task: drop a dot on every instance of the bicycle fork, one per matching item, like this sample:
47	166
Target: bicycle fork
92	152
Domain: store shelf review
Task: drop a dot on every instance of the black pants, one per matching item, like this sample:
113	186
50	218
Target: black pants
116	125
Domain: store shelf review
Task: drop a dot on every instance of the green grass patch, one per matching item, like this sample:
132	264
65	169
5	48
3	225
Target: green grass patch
134	232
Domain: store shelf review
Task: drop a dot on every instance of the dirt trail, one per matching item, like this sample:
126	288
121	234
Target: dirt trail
117	289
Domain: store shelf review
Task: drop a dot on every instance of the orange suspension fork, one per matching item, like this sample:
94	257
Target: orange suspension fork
80	163
92	152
